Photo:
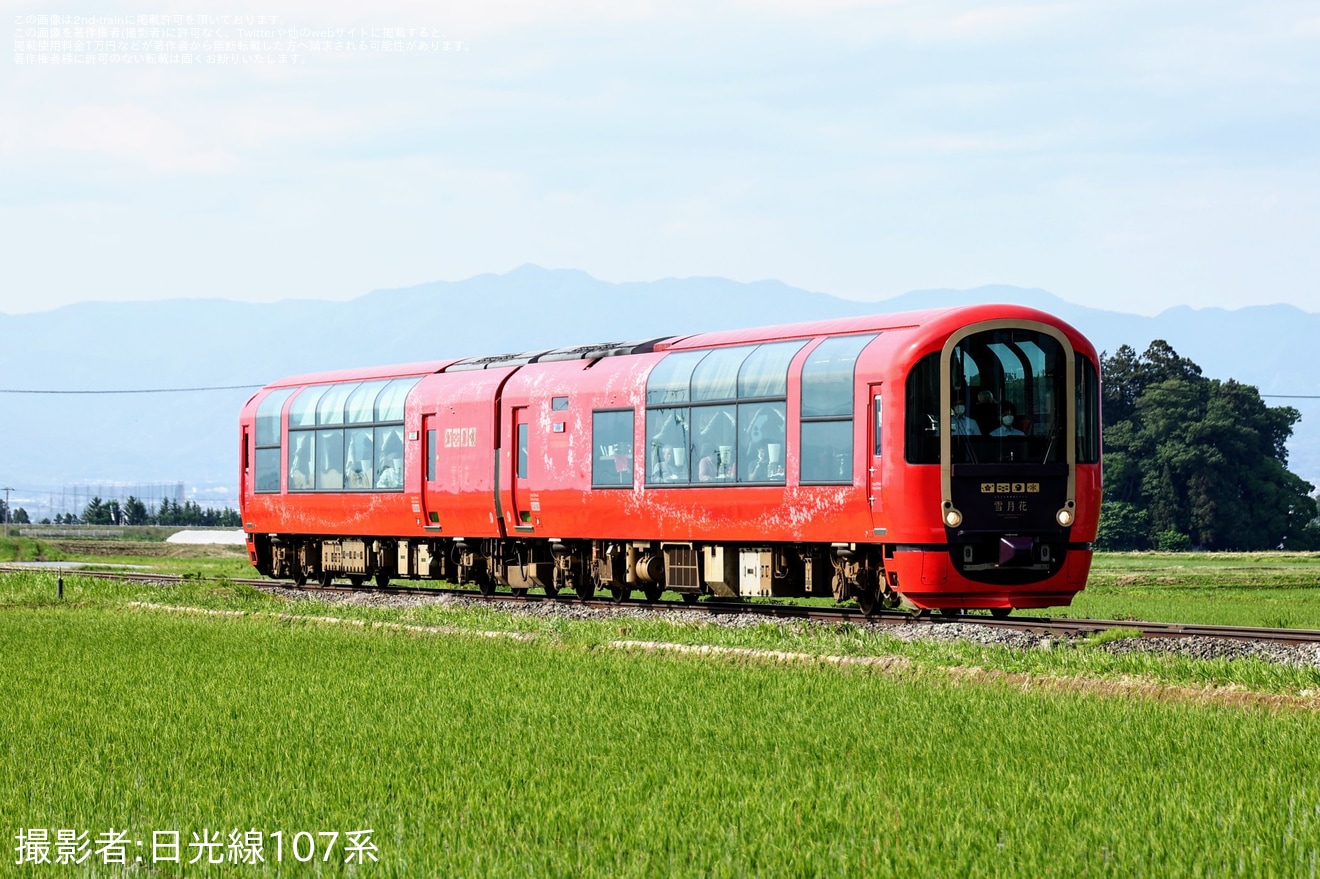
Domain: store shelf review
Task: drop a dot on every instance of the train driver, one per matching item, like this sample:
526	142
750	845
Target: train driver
1007	415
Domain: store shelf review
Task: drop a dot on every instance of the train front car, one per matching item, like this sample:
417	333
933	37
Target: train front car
1001	444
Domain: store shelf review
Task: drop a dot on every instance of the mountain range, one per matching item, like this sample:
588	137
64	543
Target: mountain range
57	440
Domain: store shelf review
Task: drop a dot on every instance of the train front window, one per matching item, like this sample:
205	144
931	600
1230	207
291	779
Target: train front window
1007	396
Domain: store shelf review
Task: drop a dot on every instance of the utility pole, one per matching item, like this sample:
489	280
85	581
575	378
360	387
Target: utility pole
7	491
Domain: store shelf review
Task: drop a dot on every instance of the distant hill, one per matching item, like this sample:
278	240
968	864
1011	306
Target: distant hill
67	439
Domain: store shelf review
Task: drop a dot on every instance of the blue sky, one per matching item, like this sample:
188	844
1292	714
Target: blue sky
1126	155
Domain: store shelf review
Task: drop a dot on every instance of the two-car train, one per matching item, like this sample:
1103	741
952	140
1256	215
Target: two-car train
940	459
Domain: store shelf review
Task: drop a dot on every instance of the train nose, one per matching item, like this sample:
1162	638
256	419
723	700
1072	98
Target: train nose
1015	550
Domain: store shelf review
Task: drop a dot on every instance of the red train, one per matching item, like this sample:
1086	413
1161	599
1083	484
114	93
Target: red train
943	459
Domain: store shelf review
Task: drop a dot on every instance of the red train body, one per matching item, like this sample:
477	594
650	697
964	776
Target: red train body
944	459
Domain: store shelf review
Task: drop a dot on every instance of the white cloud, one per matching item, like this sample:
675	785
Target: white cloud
136	136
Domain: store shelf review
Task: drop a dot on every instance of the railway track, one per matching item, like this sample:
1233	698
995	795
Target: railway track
1044	626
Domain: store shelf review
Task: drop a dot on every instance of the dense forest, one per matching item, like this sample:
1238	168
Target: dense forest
1195	462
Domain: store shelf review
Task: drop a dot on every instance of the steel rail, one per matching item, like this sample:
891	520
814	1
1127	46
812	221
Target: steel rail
1044	626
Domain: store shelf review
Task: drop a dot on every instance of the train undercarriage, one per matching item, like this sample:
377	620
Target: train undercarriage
587	568
874	575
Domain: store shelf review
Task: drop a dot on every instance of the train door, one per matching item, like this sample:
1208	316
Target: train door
874	472
522	502
247	472
430	469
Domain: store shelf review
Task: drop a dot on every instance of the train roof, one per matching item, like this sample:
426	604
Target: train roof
404	370
931	319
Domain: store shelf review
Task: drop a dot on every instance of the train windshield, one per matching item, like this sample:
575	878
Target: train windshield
1008	399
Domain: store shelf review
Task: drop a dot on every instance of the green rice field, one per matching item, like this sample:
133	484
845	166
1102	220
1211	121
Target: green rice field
478	756
472	741
1276	589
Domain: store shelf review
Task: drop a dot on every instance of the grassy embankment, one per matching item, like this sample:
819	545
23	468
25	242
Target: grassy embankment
480	756
1092	659
1274	589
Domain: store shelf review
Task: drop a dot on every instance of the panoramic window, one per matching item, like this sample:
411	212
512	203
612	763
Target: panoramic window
734	429
612	442
827	410
267	469
1007	394
348	437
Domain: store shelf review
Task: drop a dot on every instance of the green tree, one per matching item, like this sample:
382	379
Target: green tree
1123	526
135	512
1205	460
97	512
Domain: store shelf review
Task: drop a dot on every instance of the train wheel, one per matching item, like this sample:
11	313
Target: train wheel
356	580
618	594
521	592
653	593
690	597
1000	613
950	611
486	586
382	580
867	601
299	577
585	589
325	578
551	590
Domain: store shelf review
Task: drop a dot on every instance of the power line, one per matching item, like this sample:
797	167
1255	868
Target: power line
137	390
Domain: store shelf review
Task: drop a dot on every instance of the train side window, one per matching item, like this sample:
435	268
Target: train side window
359	459
761	430
268	470
765	371
827	377
389	457
671	378
389	405
667	446
361	404
1088	412
267	441
302	412
431	454
330	411
879	420
302	457
715	439
522	451
329	460
922	439
827	451
559	404
827	410
612	448
716	376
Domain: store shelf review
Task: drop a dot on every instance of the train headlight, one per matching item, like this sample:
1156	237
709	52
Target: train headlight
952	517
1064	517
